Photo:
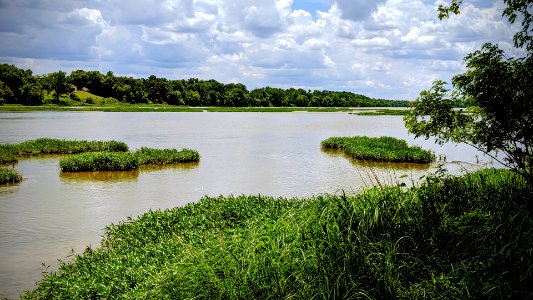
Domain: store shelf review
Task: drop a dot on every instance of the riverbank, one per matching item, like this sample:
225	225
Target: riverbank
173	108
452	237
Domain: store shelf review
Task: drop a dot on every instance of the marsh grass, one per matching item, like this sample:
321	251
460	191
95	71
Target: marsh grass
450	238
99	161
9	175
126	161
150	156
384	149
11	153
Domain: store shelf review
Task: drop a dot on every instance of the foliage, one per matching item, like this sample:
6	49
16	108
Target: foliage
99	161
8	154
154	90
451	238
9	175
150	156
499	94
379	149
125	161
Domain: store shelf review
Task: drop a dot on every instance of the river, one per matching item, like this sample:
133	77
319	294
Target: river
50	214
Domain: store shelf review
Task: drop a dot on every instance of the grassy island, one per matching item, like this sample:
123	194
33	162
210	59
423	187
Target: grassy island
8	175
125	161
450	238
386	149
11	153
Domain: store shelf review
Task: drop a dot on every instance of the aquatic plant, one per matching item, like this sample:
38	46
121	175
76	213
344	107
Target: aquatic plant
450	238
8	154
151	156
99	161
59	146
9	175
11	153
379	149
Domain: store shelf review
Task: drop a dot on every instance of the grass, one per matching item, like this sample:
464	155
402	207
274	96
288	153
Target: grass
125	161
9	175
150	156
99	161
11	153
382	112
450	238
385	149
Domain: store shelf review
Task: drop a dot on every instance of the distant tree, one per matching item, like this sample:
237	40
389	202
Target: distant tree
498	92
5	93
56	82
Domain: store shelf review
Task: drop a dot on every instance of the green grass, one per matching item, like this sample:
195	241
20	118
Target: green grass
386	149
8	175
150	156
465	237
99	161
125	161
11	153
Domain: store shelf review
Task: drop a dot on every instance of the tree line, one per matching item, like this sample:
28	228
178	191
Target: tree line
18	86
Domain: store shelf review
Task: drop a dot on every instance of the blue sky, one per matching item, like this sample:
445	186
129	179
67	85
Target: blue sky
384	48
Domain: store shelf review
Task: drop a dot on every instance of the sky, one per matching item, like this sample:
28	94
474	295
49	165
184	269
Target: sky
390	49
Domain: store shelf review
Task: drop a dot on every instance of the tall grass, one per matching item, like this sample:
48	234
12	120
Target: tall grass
99	161
451	238
9	175
150	156
387	149
125	161
11	153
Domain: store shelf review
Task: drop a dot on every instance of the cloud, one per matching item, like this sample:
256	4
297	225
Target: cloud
357	10
384	48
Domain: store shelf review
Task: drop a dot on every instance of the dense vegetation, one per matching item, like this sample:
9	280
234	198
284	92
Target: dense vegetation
22	87
125	161
450	238
384	148
497	90
9	175
10	153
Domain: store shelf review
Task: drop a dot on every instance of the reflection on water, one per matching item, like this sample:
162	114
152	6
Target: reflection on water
182	166
100	175
361	163
50	213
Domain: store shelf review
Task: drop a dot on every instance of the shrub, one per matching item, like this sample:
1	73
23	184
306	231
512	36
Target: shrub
8	175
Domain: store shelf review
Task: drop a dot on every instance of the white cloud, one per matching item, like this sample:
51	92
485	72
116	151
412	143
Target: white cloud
384	48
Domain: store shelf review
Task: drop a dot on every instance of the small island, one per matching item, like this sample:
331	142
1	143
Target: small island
383	149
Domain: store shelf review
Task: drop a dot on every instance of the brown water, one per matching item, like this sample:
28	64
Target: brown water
50	213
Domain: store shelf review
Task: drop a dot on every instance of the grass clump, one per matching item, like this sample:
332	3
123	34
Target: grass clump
99	161
11	153
9	175
59	146
150	156
125	161
451	238
387	149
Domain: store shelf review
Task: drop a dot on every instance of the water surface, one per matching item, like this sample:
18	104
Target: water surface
278	154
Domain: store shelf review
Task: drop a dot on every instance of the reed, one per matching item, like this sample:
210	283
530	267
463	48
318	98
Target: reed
150	156
9	175
8	154
387	149
59	146
450	238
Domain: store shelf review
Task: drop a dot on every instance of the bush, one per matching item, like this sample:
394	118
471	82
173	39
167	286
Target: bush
8	175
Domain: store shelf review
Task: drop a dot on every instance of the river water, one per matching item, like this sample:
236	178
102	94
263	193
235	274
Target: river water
50	214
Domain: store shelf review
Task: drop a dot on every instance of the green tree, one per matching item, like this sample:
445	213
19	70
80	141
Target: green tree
498	92
56	82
